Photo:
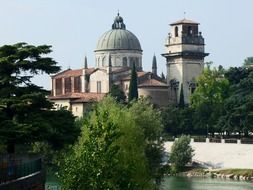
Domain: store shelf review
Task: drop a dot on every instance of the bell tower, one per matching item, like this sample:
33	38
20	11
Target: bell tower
184	53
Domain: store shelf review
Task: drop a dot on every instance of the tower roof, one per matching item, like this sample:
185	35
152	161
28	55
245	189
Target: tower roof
184	21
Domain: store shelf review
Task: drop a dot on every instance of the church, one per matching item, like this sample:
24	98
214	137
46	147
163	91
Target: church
116	52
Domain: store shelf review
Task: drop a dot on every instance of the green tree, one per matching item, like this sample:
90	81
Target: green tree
117	93
177	120
181	152
208	99
238	106
133	86
149	120
110	153
26	115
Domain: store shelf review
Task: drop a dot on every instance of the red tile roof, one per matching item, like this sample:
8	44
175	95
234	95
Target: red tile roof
152	83
120	69
80	97
73	73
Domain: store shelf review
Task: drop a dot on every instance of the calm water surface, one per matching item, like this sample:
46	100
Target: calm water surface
184	183
181	183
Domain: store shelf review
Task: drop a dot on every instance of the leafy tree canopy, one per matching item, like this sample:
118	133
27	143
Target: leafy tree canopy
181	152
114	150
238	114
25	112
208	98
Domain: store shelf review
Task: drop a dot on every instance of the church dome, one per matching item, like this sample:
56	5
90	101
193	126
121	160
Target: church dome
118	38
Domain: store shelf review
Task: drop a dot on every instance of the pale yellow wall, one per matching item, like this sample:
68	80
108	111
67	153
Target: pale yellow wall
186	47
184	71
99	76
61	103
176	71
192	70
78	109
159	96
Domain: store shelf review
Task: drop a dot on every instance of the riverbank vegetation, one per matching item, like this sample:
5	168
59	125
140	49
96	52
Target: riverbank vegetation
119	148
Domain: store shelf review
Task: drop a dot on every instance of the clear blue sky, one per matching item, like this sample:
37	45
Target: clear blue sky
73	27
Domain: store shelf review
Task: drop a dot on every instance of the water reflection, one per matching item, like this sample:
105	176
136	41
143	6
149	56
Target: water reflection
177	183
184	183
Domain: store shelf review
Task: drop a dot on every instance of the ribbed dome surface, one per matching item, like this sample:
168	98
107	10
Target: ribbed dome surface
118	39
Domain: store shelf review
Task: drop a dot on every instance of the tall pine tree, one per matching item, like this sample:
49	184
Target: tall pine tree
133	88
26	115
181	103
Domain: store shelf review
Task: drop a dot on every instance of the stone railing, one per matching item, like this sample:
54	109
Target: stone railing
217	140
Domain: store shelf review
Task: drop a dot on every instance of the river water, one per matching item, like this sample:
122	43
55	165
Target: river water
182	183
198	183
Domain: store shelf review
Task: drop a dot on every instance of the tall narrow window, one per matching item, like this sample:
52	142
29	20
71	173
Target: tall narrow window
98	62
77	84
176	31
99	86
67	82
124	62
103	62
58	86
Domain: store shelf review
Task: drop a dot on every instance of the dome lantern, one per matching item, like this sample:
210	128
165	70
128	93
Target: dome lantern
118	23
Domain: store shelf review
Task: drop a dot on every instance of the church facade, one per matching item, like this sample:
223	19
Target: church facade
116	52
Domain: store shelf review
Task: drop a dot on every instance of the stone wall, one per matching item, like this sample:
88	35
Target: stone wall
221	155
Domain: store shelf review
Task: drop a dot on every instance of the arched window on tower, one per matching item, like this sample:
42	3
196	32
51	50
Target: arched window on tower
98	62
124	62
103	62
176	31
131	62
189	30
137	62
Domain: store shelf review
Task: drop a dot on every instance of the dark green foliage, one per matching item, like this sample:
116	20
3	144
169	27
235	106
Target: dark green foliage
133	86
25	112
117	93
178	120
238	114
181	152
